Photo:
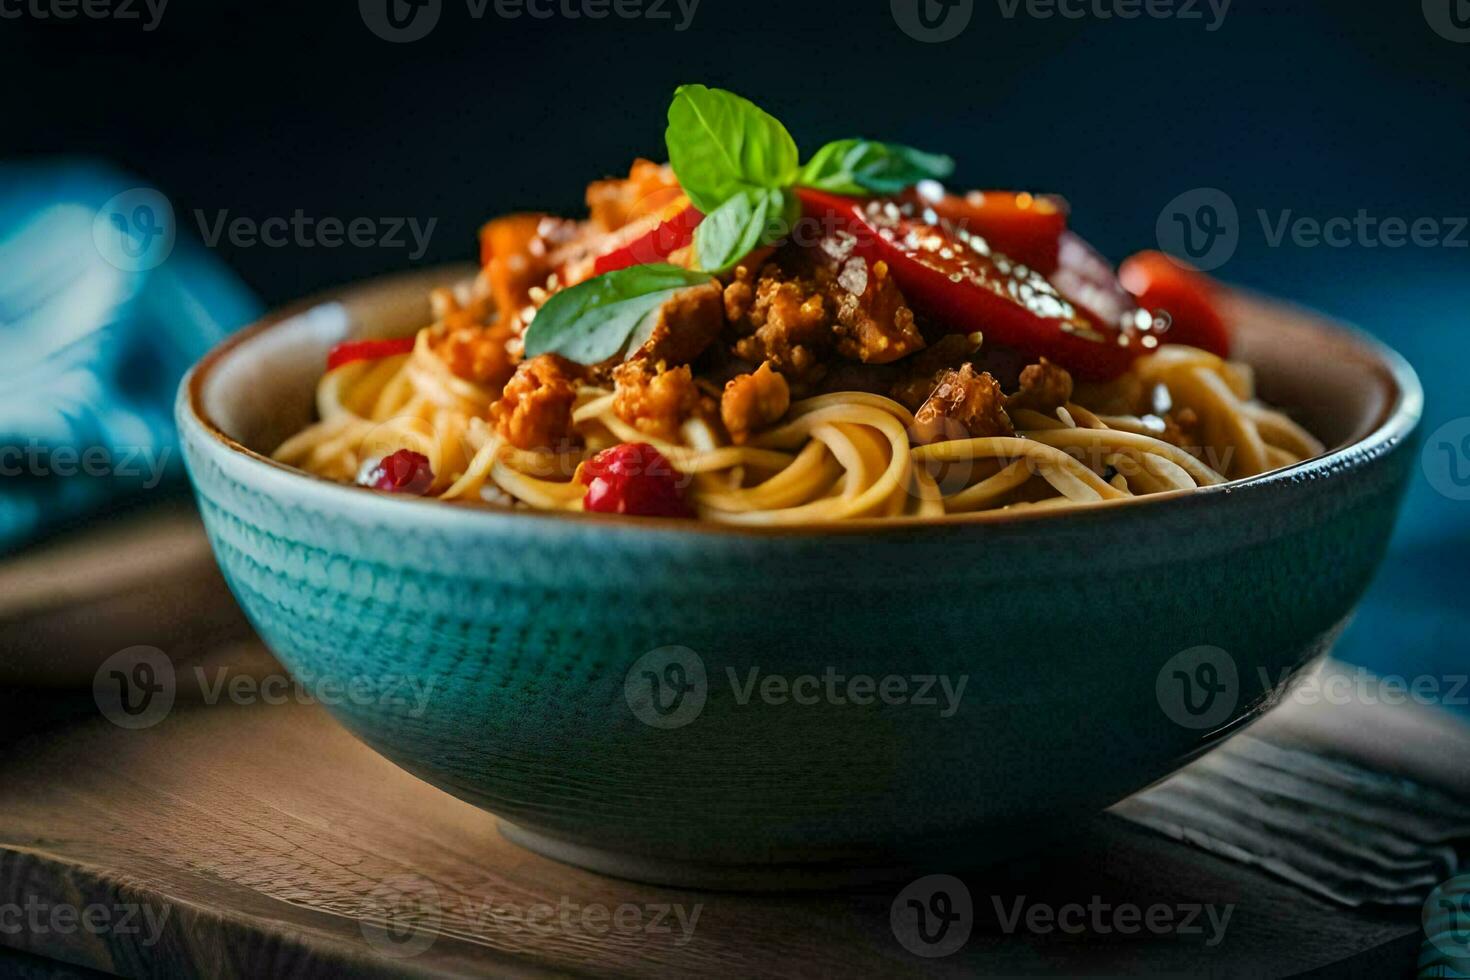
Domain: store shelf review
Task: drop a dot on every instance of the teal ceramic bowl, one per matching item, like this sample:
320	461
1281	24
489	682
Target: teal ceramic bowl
692	704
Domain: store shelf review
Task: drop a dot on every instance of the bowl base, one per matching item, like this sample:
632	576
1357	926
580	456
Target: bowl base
675	873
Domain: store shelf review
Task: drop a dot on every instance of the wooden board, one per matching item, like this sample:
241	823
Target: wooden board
261	837
265	841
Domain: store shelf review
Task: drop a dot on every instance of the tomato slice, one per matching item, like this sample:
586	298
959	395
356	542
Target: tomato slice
1026	227
655	246
367	350
956	278
1164	285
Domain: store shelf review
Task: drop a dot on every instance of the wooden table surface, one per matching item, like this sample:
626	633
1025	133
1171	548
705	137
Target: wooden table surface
256	839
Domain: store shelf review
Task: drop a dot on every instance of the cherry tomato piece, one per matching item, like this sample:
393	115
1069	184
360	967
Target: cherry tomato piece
1025	227
654	246
956	278
404	471
367	350
1164	285
633	479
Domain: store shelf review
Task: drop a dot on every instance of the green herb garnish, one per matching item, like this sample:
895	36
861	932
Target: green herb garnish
740	167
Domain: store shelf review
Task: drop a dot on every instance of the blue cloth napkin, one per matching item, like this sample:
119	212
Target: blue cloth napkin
102	310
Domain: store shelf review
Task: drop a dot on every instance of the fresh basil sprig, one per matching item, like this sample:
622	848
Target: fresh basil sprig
754	217
611	314
721	145
868	167
740	168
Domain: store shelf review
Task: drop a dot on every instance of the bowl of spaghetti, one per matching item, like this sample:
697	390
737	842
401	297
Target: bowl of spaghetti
795	519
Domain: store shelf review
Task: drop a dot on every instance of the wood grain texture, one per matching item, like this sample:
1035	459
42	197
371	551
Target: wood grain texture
261	837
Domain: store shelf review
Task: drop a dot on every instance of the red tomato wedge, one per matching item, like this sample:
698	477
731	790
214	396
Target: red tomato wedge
1164	285
1026	227
366	350
954	277
655	246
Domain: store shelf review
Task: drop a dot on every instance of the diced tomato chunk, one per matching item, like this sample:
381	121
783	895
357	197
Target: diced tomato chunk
1164	285
404	471
633	479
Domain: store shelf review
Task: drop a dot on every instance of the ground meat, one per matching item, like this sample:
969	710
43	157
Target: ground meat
687	323
963	404
535	411
649	188
1182	429
874	325
476	354
753	401
1045	387
653	401
781	318
914	379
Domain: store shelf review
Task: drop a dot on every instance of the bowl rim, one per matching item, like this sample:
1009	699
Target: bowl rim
1396	424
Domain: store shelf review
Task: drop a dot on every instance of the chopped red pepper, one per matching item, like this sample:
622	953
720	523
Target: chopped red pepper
655	246
955	277
1026	227
633	479
404	471
1164	285
367	350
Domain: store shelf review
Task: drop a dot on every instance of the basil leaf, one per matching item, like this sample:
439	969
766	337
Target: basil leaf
720	144
869	167
595	320
755	217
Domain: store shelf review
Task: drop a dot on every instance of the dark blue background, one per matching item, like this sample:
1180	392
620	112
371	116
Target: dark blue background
1322	108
